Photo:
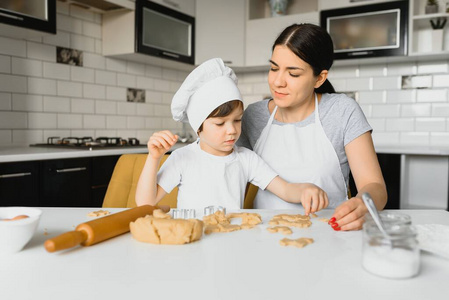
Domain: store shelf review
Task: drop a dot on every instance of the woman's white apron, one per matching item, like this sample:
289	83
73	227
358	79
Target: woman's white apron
299	155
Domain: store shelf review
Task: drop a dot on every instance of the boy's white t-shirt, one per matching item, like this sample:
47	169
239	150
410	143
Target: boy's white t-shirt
204	179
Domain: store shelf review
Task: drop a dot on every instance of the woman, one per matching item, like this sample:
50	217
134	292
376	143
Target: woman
307	133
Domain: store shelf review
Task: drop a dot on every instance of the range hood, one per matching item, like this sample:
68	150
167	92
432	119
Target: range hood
104	6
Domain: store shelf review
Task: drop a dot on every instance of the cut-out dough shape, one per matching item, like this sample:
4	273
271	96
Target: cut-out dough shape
219	222
281	229
299	221
300	243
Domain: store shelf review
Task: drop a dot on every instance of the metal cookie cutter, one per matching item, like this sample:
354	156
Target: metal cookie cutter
210	210
183	213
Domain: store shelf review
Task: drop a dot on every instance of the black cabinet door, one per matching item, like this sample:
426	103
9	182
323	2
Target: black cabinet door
19	184
390	165
66	182
102	169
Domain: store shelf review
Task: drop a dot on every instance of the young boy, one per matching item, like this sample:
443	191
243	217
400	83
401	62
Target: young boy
213	170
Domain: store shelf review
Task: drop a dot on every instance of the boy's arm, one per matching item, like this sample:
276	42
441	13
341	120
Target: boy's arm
148	191
311	196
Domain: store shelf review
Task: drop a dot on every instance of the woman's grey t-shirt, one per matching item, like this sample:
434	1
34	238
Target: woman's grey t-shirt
341	117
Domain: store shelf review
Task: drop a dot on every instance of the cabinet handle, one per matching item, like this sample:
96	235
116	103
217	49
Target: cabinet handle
170	54
71	170
11	16
229	62
15	175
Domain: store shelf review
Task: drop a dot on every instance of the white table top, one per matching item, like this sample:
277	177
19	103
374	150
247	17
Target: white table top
247	264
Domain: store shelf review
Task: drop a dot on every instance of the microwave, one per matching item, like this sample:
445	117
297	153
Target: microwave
164	32
368	30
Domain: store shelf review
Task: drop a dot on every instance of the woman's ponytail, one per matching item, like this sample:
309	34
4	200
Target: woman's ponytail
325	88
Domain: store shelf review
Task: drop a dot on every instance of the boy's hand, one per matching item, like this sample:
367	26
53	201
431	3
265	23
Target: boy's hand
312	198
160	142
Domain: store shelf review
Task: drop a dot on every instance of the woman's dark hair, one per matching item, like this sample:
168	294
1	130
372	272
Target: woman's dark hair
312	44
223	110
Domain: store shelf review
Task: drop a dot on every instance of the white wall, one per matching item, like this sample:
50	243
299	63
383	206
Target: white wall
41	98
398	116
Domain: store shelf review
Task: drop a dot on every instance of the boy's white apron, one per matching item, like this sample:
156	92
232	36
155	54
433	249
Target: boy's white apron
300	154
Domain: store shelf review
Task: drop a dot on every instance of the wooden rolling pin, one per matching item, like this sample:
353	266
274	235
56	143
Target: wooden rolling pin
101	229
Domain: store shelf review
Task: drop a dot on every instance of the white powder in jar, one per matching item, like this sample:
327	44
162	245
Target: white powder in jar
391	262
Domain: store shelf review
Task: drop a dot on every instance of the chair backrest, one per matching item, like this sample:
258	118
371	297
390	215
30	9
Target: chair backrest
122	186
250	194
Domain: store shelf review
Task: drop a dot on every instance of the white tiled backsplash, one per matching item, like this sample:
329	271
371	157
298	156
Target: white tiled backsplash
399	116
40	98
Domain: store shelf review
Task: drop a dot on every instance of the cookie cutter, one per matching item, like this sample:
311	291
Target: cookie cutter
183	213
210	210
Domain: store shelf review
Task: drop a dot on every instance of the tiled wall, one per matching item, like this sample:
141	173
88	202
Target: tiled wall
40	98
399	116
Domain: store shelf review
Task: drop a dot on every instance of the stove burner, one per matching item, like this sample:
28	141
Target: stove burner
88	142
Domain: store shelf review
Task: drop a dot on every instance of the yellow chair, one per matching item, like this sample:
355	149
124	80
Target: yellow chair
250	194
122	186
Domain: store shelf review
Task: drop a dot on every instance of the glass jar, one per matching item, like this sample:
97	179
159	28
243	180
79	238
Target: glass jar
389	217
398	257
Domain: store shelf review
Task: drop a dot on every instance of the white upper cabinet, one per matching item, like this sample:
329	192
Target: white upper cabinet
185	6
220	31
262	29
425	40
331	4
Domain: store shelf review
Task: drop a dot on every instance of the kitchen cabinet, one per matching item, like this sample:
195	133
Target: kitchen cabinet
74	182
425	182
120	41
27	19
102	169
262	29
423	39
185	6
390	164
19	184
332	4
227	38
65	182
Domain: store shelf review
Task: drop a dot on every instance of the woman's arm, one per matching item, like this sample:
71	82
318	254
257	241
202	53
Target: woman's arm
368	178
311	196
148	191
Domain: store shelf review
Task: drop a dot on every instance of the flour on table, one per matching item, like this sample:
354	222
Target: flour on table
434	238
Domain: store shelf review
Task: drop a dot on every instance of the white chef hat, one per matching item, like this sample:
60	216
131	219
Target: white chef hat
207	87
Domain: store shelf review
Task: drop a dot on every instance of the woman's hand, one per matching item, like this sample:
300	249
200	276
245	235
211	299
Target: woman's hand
349	215
160	142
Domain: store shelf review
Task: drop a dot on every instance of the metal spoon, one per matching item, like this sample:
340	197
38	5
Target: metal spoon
373	211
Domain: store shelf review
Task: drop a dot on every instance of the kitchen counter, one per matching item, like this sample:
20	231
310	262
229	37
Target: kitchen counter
24	153
246	264
16	154
413	150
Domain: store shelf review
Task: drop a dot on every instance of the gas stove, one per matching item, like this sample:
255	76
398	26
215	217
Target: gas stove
89	143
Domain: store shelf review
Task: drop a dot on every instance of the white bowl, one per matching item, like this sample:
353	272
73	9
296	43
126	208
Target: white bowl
14	235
